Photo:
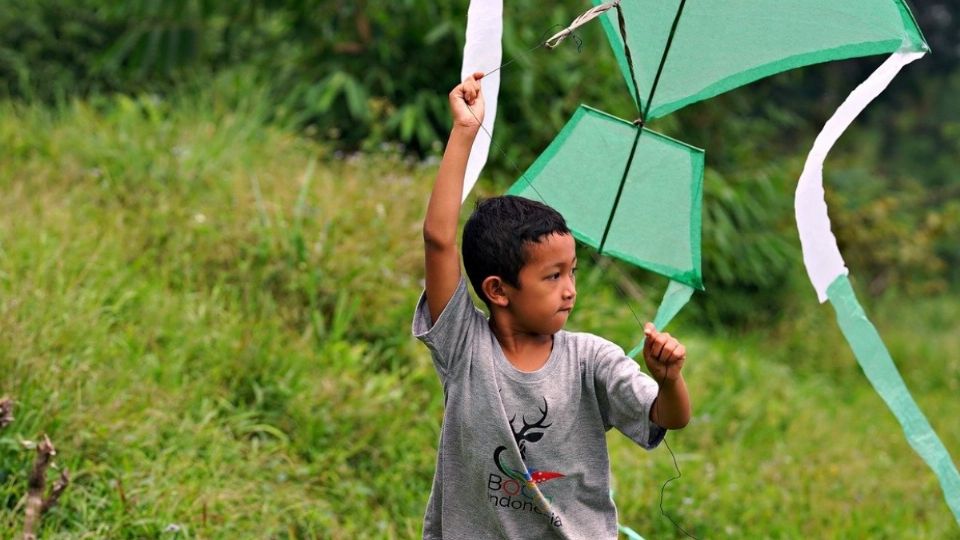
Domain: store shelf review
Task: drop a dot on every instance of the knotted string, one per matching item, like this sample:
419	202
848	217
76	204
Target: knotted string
583	19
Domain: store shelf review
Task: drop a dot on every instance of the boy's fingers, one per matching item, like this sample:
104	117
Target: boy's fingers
649	330
650	334
657	347
471	89
473	80
667	353
675	357
669	344
663	340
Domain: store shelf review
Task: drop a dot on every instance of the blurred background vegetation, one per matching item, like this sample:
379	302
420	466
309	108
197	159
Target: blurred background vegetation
369	77
217	203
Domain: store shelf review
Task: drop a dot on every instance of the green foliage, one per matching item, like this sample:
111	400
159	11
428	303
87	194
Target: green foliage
340	67
209	315
210	353
49	49
207	311
362	77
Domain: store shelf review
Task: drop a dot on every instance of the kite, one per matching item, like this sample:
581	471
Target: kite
600	170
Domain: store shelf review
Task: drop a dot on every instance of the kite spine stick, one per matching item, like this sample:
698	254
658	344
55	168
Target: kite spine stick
621	22
640	121
623	181
663	59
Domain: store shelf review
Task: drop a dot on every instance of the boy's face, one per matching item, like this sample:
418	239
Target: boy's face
545	298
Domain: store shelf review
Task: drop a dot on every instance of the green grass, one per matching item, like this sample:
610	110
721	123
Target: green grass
210	318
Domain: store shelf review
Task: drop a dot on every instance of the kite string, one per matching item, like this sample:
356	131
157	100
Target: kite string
540	43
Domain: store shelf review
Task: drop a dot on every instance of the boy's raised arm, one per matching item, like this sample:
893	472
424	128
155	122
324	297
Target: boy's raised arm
441	257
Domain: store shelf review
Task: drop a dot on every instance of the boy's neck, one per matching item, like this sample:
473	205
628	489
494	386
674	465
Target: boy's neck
524	350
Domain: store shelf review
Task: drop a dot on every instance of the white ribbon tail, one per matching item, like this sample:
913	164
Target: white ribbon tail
482	52
821	256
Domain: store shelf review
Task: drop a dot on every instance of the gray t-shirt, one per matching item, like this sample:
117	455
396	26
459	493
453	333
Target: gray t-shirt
523	454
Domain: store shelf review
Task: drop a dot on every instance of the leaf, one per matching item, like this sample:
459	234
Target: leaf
408	123
356	99
329	89
439	32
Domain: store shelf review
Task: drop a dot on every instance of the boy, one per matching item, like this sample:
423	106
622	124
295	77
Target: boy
526	405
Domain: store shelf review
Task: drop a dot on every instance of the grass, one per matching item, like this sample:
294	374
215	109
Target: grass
209	316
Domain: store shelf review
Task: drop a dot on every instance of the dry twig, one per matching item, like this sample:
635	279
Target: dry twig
58	488
37	504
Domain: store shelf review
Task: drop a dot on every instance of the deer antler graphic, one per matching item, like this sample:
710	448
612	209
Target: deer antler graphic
524	435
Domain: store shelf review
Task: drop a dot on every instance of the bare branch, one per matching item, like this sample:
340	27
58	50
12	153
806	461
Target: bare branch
36	483
58	488
37	504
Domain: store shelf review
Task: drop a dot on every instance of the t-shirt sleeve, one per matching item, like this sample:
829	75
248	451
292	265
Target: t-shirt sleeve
450	338
625	394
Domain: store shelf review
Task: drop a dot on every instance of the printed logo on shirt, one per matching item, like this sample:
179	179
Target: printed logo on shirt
516	489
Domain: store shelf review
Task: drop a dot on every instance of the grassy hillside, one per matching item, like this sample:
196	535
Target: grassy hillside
209	317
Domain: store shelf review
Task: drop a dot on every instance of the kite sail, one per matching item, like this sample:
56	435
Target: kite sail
600	170
581	172
716	46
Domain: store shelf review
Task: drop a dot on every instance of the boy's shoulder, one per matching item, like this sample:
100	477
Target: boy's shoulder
591	346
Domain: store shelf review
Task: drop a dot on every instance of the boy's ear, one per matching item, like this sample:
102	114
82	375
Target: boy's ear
495	290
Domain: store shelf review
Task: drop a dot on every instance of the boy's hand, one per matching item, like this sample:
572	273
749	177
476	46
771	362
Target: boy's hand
663	354
466	103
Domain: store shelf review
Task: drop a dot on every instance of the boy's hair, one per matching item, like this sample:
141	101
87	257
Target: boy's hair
495	236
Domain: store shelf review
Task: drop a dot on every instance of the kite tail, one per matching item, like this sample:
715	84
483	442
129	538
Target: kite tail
674	298
482	51
828	274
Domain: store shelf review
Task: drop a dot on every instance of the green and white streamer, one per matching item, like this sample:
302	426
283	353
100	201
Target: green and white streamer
828	274
880	370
